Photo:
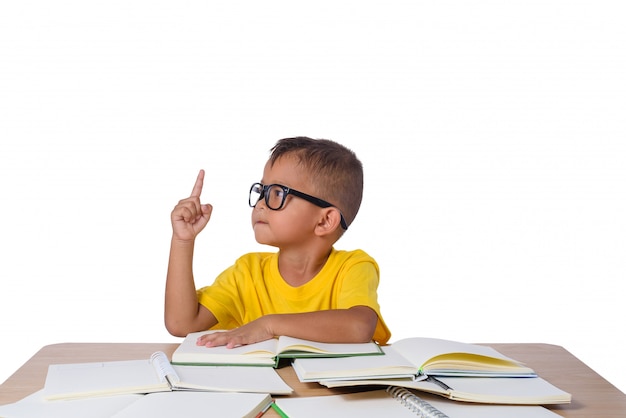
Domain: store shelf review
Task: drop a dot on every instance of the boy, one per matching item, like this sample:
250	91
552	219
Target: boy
307	289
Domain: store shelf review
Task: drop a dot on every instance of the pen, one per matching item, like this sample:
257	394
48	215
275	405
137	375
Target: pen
278	410
260	414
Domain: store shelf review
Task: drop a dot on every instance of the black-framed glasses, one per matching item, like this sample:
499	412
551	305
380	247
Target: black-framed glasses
275	195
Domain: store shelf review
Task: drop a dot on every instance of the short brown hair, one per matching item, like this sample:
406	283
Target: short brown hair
336	172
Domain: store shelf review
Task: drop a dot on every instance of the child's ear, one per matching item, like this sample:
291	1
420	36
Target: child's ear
329	221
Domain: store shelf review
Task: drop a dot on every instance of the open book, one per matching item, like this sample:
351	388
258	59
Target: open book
187	404
416	358
399	402
153	405
67	381
265	353
492	390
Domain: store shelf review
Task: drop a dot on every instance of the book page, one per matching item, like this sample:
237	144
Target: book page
391	364
232	379
296	347
102	378
373	404
456	356
522	390
476	410
258	353
35	405
379	403
496	390
189	404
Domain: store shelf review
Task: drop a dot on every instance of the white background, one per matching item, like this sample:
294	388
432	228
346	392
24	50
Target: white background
492	135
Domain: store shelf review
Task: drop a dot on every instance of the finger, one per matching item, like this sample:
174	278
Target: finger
206	339
207	209
189	213
197	188
229	339
201	340
235	342
188	209
216	340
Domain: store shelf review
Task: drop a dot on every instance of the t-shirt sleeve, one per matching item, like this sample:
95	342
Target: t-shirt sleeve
222	299
360	288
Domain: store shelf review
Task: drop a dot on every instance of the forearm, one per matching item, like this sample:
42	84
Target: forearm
181	302
353	325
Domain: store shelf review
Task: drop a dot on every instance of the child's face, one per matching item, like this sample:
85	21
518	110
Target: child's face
294	224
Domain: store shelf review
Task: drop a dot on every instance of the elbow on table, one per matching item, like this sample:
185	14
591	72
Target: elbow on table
363	334
363	329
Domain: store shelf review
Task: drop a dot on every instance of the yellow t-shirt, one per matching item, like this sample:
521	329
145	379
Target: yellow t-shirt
253	287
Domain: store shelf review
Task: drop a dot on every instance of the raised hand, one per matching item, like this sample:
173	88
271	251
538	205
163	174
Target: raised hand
190	217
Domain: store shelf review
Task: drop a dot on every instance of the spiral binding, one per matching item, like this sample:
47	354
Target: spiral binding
414	403
164	369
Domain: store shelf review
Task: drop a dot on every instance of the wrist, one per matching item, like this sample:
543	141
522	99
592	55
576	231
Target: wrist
182	249
182	242
270	323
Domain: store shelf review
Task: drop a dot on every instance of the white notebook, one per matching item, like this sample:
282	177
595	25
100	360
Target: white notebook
497	390
153	405
67	381
381	403
201	404
35	406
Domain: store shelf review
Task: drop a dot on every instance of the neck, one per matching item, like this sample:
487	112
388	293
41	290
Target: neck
298	269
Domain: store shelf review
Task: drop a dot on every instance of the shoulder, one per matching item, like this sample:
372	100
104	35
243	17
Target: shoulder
251	266
346	259
255	257
355	256
254	260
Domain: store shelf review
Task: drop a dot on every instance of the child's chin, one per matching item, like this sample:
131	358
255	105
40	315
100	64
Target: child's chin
261	237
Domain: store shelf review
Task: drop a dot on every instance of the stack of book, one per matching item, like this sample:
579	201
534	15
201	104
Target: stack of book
455	370
477	380
235	381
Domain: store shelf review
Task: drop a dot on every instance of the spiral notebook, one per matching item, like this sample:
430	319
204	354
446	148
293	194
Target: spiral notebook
399	403
80	380
492	390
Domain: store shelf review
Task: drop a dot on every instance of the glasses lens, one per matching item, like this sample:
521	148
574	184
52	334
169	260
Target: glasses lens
275	197
256	191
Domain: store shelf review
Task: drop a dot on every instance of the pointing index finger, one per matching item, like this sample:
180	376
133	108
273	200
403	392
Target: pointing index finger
197	188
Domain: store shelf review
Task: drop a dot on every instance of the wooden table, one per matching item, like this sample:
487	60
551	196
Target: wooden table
592	395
